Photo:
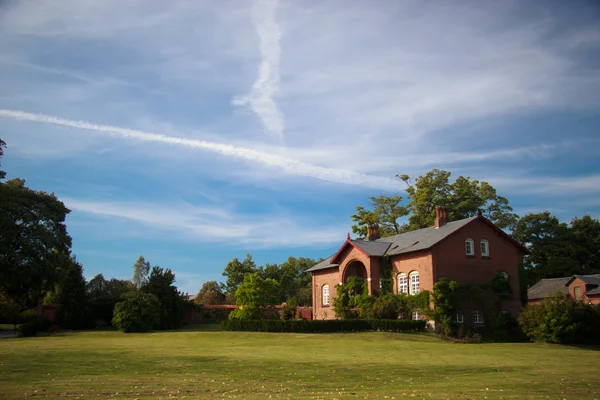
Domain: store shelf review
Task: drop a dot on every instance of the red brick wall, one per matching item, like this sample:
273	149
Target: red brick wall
333	276
581	285
420	262
451	262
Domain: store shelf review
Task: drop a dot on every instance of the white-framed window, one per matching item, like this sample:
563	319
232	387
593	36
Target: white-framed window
469	247
325	297
485	248
460	318
416	316
414	282
477	317
402	283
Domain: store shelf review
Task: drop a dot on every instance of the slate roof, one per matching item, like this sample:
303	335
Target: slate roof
422	239
547	287
373	248
326	263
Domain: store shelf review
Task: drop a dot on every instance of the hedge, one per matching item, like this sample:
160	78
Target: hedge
323	326
32	327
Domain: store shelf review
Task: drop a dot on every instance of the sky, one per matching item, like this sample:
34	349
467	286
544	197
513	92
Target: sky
192	132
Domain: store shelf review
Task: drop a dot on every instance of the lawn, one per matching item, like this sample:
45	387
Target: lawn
210	364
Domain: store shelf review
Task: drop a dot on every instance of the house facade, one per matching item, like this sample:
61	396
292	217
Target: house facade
585	288
472	250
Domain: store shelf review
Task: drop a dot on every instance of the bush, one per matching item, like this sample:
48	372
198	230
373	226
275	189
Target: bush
139	312
386	307
33	326
560	320
288	310
323	326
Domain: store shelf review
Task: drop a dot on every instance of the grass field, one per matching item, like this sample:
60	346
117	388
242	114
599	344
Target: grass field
211	364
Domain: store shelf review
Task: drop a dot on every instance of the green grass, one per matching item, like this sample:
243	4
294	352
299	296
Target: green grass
210	364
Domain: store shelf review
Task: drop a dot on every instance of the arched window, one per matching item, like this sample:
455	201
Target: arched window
477	317
577	293
416	316
414	282
469	247
325	296
485	248
460	318
402	283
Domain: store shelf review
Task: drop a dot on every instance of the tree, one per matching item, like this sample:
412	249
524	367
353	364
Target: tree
235	271
2	146
9	309
464	198
32	236
103	295
254	296
210	293
292	277
138	312
161	284
70	293
385	212
557	249
141	268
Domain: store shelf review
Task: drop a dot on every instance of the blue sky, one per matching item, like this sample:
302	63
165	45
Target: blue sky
194	132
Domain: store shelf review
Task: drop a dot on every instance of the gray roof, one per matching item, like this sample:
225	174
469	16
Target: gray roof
373	248
547	287
422	239
326	263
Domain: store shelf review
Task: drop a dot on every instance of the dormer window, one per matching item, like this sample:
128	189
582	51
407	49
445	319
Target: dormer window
469	247
485	248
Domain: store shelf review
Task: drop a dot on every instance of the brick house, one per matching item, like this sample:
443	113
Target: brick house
584	288
471	250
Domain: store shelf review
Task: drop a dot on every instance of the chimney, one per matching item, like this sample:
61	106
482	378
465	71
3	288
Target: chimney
441	216
373	232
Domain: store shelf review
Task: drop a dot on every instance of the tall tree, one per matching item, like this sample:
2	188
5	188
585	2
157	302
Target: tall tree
463	198
558	249
254	295
235	272
2	146
104	294
32	235
70	293
161	284
141	268
210	293
385	212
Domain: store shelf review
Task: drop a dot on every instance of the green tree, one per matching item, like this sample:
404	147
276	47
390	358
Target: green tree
385	212
585	232
9	309
138	312
2	146
292	277
254	296
161	284
463	198
210	293
235	271
70	293
104	294
33	234
141	268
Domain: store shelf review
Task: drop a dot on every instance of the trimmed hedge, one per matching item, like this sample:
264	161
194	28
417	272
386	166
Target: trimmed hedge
32	327
324	326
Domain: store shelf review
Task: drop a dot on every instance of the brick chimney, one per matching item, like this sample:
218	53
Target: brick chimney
441	216
373	232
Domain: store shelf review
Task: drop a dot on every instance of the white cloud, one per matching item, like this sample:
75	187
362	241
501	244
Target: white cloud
197	223
266	87
287	165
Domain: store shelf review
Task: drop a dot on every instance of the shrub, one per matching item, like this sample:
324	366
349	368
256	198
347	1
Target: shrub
560	320
288	310
139	312
33	326
385	307
323	326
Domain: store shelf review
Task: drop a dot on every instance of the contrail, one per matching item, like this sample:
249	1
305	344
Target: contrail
262	97
287	165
